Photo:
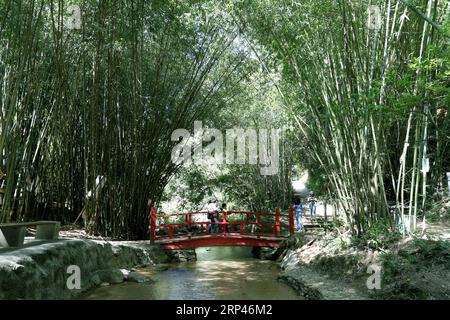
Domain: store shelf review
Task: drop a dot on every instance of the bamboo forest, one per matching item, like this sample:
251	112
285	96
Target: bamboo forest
217	150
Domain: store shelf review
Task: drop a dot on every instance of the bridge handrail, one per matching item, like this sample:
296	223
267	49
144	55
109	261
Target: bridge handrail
219	235
184	224
227	212
278	225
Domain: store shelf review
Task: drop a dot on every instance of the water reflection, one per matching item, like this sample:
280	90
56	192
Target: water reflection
219	273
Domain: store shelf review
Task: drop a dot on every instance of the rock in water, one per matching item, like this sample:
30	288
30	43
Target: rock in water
113	276
162	267
137	277
125	273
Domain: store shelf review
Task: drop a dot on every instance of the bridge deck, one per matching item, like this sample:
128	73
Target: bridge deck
187	242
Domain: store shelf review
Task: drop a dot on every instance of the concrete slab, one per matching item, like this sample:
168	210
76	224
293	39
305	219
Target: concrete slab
12	236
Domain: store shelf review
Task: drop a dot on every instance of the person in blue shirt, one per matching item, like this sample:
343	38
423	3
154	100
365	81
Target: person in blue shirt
298	208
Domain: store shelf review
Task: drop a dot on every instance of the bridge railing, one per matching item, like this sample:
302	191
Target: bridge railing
194	224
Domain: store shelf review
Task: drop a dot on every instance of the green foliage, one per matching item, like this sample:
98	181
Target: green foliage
241	186
378	236
337	266
401	269
358	107
189	189
438	211
104	100
361	97
429	252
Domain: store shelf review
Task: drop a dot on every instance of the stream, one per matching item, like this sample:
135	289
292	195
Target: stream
220	273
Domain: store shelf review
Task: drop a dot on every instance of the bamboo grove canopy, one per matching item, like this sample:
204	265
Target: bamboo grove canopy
86	113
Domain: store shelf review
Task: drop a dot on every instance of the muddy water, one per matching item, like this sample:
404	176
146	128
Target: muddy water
218	273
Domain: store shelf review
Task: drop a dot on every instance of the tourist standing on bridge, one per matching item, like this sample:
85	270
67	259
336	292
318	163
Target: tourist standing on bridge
212	214
312	205
298	207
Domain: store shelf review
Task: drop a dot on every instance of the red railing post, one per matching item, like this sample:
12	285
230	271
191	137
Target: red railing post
258	223
152	226
277	222
249	226
291	221
189	219
224	222
189	223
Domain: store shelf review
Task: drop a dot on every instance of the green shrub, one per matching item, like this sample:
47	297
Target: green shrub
378	236
399	268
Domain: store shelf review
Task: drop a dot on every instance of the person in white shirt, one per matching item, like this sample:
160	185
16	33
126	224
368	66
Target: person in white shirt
212	214
312	205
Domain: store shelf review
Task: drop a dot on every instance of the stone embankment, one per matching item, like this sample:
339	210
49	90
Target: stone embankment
43	270
326	265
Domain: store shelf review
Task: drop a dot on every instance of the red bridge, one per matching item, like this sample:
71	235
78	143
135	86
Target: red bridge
236	228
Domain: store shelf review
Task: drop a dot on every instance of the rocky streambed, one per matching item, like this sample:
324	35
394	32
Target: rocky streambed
218	273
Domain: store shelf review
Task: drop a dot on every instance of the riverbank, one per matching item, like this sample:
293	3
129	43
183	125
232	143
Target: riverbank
318	265
327	265
40	270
